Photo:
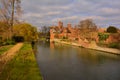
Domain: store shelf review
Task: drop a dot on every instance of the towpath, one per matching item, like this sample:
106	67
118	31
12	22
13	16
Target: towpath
8	55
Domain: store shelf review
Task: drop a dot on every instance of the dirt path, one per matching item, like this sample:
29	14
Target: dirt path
8	55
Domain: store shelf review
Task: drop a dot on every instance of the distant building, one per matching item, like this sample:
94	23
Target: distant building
64	32
102	30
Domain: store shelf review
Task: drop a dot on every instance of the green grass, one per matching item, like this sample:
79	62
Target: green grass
22	67
114	45
5	48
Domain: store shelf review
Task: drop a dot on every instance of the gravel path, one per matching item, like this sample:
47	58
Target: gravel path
8	55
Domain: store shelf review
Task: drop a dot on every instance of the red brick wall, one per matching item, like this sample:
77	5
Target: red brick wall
51	34
113	38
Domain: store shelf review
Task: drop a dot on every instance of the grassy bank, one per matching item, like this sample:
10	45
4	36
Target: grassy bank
92	46
22	67
5	48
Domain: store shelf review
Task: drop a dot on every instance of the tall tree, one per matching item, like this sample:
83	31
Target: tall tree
10	11
87	29
112	29
45	31
87	24
26	30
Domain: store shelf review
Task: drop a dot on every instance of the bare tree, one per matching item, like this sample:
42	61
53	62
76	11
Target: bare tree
10	11
44	31
87	29
87	24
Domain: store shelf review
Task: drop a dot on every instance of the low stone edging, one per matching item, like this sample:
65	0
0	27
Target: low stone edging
109	50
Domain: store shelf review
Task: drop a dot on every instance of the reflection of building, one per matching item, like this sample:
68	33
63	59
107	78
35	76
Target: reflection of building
51	45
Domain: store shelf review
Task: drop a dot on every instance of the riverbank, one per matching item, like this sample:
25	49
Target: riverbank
91	46
8	55
5	48
22	67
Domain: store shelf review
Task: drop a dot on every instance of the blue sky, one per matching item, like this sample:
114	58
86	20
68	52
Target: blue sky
49	12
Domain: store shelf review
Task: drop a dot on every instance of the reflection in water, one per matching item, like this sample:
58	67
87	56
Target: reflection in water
51	45
95	57
65	62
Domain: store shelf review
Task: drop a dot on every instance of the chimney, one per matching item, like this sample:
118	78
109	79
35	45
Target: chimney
69	26
60	24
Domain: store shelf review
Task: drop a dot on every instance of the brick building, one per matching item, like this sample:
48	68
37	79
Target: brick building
64	32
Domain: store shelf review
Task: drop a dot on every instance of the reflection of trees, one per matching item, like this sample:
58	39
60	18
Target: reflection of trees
45	44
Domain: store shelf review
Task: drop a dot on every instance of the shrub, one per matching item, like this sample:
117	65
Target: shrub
112	29
103	36
114	45
76	39
0	41
64	37
18	38
9	42
102	44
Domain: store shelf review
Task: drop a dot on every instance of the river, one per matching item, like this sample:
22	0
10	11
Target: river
65	62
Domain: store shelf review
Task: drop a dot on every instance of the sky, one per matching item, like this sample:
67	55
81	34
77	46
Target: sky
48	12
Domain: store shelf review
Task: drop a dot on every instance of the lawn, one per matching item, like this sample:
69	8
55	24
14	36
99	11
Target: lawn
22	67
5	48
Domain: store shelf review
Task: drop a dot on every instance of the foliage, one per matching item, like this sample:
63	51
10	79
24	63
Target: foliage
87	29
9	42
87	24
103	36
0	41
10	10
45	29
102	44
112	29
110	45
114	45
65	37
44	32
22	67
18	38
4	31
26	30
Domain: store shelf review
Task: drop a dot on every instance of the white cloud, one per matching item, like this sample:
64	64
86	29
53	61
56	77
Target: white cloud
38	15
92	17
110	10
50	11
65	18
68	18
55	7
27	15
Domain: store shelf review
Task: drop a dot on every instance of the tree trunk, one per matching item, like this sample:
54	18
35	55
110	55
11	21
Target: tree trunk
12	19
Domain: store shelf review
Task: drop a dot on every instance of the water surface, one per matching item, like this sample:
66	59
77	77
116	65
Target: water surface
65	62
